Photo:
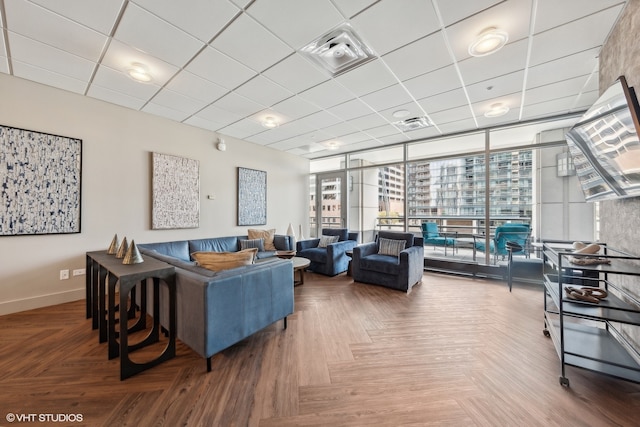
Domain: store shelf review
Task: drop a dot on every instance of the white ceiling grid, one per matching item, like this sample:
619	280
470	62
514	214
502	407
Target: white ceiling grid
225	65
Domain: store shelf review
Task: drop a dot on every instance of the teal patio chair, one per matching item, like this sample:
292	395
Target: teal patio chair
432	236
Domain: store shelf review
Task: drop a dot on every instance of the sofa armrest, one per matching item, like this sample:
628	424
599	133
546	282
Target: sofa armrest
340	247
364	250
413	254
283	242
307	244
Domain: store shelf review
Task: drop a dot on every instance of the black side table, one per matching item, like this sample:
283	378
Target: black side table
107	270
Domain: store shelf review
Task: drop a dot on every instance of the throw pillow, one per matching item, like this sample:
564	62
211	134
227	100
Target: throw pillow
218	261
267	235
253	243
390	247
327	240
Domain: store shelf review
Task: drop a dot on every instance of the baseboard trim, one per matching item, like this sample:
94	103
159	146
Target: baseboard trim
15	306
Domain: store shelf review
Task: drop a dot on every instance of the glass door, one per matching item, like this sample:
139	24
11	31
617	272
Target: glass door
330	195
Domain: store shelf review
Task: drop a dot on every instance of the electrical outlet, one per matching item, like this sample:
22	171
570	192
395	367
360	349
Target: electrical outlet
79	272
64	274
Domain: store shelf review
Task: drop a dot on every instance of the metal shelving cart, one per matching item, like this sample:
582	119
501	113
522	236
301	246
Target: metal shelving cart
585	334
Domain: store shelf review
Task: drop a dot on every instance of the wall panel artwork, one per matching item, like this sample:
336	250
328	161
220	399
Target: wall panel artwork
40	176
252	197
176	192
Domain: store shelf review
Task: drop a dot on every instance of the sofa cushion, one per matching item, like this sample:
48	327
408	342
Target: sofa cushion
327	240
391	247
252	243
178	249
342	233
408	237
214	244
267	235
381	264
218	261
314	255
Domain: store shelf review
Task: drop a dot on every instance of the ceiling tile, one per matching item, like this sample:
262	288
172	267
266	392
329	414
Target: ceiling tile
217	115
34	22
339	129
202	19
499	86
327	94
576	36
241	3
178	102
438	81
556	90
350	8
202	123
393	95
404	21
453	114
367	78
120	57
368	122
543	109
422	56
250	43
563	68
243	129
263	91
553	13
116	81
460	125
319	120
164	111
218	68
444	101
414	110
382	131
238	104
313	19
96	14
295	73
156	37
114	97
454	11
350	109
49	58
192	86
295	107
509	59
46	77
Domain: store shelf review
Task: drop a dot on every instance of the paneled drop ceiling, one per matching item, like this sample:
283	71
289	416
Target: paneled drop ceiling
225	65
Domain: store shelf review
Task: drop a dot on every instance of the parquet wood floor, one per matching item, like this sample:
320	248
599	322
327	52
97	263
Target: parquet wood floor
453	352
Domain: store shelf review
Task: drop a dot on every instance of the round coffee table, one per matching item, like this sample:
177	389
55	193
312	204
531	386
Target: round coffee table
299	264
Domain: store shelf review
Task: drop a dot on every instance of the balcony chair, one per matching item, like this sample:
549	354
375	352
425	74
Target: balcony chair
432	236
382	267
327	258
518	234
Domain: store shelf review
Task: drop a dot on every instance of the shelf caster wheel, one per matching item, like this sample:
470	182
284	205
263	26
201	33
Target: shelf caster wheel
564	381
546	333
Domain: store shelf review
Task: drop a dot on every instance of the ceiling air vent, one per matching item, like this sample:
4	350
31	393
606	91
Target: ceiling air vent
338	51
413	123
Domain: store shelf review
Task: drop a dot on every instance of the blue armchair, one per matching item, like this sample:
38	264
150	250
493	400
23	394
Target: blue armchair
332	259
397	272
432	236
517	233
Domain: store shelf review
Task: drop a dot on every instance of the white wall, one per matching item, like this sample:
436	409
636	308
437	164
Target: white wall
116	186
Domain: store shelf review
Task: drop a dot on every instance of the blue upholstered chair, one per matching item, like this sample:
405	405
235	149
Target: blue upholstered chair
432	236
397	272
332	259
517	233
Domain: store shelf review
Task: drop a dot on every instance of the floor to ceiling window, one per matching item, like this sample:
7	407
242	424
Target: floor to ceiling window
445	180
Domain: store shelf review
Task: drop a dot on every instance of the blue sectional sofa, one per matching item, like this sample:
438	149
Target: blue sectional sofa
218	309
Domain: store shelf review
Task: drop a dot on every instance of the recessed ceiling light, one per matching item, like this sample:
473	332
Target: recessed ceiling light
489	41
332	145
497	110
139	72
270	122
398	114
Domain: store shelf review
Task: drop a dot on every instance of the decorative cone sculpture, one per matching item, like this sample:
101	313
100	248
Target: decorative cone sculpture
133	255
292	234
122	249
113	247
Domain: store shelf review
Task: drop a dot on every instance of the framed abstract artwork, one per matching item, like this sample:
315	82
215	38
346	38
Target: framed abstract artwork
40	174
175	192
252	197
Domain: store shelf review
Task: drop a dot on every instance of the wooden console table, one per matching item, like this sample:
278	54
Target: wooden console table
104	273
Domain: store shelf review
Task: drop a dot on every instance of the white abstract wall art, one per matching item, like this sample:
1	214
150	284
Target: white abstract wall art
40	175
176	192
252	197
